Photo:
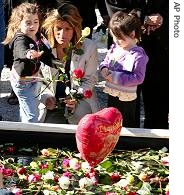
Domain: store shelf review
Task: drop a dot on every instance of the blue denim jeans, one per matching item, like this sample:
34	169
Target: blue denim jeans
2	34
28	103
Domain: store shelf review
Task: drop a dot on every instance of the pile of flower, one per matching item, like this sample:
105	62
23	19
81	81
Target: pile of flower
62	172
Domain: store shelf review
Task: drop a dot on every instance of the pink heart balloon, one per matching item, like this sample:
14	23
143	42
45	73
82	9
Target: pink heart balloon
97	134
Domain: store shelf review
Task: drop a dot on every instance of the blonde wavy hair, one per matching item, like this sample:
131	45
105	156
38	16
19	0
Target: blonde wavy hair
68	13
18	14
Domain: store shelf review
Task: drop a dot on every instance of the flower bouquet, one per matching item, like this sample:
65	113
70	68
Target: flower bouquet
76	93
63	172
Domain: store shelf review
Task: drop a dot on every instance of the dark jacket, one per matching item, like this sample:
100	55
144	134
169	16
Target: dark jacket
20	45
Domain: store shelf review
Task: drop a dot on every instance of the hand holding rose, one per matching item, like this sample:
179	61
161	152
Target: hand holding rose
153	22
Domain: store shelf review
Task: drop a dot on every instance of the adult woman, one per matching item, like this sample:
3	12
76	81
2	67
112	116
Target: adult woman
63	27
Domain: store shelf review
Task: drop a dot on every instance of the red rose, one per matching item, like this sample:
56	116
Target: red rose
78	73
131	193
87	93
44	166
34	178
7	172
167	193
11	149
115	177
21	171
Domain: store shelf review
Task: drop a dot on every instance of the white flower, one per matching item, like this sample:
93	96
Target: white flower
73	91
48	175
45	152
85	166
138	165
122	183
74	163
64	182
80	90
145	189
164	149
85	182
22	177
67	90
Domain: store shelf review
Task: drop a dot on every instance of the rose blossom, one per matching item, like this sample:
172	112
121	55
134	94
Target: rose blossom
11	149
115	177
74	163
85	166
66	163
48	175
7	172
87	93
78	73
67	174
34	165
64	182
34	178
86	32
45	152
85	182
44	166
21	171
131	193
165	161
122	183
17	191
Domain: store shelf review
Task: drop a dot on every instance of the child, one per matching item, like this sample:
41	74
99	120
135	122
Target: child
29	52
124	65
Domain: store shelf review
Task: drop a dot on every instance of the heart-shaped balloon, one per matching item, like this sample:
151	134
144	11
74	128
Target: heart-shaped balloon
97	134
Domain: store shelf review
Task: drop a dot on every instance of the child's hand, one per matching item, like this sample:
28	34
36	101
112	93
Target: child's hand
71	103
109	78
104	72
50	103
32	54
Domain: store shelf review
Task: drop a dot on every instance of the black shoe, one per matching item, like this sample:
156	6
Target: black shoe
12	99
1	118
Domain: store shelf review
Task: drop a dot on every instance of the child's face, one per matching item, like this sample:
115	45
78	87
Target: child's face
63	33
30	25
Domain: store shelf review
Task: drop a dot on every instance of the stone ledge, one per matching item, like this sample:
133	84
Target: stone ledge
70	129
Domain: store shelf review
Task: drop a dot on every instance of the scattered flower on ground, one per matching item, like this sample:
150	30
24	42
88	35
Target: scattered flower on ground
50	171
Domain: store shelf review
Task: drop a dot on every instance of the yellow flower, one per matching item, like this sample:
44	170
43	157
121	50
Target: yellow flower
34	165
85	32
